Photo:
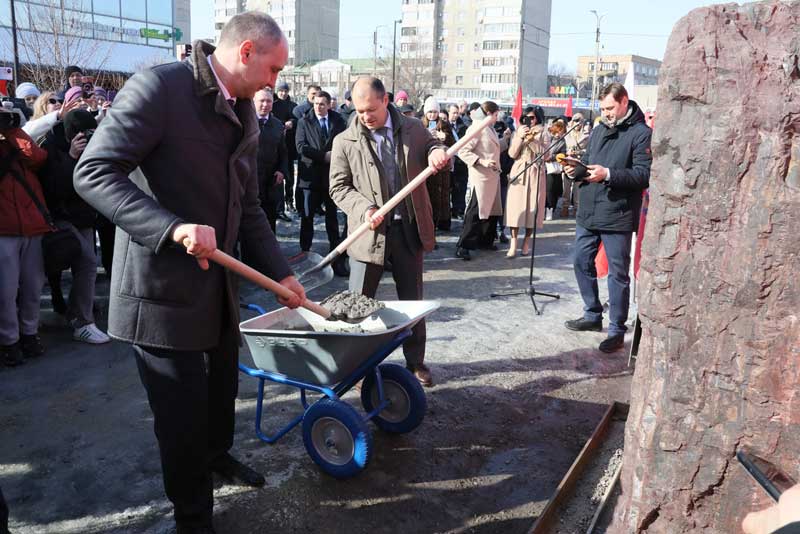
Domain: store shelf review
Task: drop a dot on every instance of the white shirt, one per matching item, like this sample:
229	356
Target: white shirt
379	138
225	92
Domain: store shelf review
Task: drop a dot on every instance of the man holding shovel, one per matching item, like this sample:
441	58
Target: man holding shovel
372	160
175	172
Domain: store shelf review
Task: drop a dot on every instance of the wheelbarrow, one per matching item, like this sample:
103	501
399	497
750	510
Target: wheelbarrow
301	349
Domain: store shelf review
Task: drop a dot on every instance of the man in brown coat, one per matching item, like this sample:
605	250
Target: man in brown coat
374	158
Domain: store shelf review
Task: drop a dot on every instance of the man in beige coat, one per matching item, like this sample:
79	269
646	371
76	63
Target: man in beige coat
374	158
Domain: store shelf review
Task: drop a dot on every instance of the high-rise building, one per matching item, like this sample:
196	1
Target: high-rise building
614	68
475	49
311	26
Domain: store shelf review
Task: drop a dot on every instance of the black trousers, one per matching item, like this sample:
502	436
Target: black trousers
192	396
407	273
555	188
477	232
307	203
106	232
458	191
3	514
270	207
288	183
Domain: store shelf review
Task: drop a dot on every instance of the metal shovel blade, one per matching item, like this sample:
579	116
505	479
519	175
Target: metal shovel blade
305	262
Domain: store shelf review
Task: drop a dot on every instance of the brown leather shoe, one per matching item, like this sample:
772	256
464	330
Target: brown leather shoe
423	374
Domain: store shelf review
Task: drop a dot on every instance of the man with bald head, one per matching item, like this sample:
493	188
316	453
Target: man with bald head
375	157
178	177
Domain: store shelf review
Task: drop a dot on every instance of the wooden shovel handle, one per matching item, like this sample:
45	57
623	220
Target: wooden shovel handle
247	272
410	186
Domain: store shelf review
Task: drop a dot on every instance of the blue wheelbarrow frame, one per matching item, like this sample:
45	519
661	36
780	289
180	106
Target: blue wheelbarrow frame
371	364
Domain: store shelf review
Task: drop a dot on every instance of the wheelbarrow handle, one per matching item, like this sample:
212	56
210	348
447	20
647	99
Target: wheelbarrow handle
247	272
402	194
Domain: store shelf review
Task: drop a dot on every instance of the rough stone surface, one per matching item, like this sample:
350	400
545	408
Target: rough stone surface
719	361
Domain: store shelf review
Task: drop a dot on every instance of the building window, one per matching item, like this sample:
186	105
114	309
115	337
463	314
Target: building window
444	80
459	80
107	7
159	11
476	64
408	31
134	9
444	63
460	64
461	31
460	47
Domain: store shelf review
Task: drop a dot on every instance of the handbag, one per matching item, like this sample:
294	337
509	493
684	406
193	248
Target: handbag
60	247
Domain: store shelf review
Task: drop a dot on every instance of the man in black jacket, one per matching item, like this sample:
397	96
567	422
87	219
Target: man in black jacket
315	133
282	108
272	157
178	178
610	187
458	184
302	109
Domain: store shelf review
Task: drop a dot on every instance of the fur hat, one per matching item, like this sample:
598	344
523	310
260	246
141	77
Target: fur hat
431	104
26	89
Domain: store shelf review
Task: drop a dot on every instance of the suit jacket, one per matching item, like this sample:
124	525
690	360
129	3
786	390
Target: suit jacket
312	170
282	109
156	162
358	181
272	156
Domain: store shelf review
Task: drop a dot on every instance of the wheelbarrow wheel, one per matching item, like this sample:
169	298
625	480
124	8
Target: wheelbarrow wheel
404	393
337	438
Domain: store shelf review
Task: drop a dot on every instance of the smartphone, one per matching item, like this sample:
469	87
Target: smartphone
572	161
771	478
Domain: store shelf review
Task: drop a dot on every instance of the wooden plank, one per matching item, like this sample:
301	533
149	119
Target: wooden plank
568	482
602	504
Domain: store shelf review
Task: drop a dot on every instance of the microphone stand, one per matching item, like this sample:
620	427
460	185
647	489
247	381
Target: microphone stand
531	290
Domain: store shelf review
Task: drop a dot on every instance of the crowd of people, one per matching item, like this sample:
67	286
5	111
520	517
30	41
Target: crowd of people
502	179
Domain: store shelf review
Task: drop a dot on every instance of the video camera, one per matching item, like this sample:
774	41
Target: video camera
11	114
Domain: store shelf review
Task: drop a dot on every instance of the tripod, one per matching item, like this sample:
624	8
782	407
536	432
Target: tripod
531	290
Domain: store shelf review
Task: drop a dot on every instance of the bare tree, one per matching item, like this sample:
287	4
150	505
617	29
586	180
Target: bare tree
55	34
415	73
559	69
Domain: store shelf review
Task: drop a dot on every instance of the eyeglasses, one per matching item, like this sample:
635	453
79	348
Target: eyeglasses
53	101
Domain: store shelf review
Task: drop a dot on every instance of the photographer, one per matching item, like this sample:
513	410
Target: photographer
524	200
64	144
21	230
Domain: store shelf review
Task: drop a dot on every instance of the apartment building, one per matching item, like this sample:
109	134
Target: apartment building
478	49
614	68
311	26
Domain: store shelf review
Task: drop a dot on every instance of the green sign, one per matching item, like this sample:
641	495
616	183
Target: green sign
164	35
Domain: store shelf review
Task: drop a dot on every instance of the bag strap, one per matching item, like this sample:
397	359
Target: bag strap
39	205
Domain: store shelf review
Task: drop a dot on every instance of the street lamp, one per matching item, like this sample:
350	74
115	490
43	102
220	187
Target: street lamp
375	49
15	45
599	17
394	54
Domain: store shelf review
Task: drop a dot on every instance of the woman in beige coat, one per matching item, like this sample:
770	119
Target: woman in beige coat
482	157
524	200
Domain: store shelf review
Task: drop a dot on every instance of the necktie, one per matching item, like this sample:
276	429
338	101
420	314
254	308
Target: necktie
388	161
261	122
323	124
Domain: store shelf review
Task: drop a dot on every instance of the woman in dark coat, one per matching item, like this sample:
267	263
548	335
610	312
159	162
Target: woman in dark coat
439	184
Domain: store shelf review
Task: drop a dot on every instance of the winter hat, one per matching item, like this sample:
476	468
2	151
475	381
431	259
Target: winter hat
347	95
431	104
26	89
406	108
99	91
72	94
72	68
283	86
78	121
401	94
111	95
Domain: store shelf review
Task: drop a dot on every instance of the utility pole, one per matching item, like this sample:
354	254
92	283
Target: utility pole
394	55
375	53
595	91
16	47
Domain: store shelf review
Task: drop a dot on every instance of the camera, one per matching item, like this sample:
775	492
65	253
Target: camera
526	120
11	115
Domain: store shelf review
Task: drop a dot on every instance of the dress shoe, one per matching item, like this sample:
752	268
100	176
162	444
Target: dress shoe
584	325
282	216
612	343
463	254
233	470
31	346
526	246
423	374
503	238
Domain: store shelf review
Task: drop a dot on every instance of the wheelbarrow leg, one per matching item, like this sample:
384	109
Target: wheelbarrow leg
259	412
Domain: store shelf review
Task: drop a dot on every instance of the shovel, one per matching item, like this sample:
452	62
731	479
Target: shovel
247	272
303	263
395	200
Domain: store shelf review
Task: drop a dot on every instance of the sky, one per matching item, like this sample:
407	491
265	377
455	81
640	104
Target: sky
628	27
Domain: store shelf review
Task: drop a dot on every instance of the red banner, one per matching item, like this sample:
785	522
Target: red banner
551	102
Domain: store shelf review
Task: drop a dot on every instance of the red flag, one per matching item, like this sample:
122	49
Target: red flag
3	87
517	112
601	262
568	112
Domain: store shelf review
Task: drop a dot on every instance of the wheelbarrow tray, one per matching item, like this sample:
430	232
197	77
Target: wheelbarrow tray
303	346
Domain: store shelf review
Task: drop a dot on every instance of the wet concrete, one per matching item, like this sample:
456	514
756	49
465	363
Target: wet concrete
515	399
351	307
